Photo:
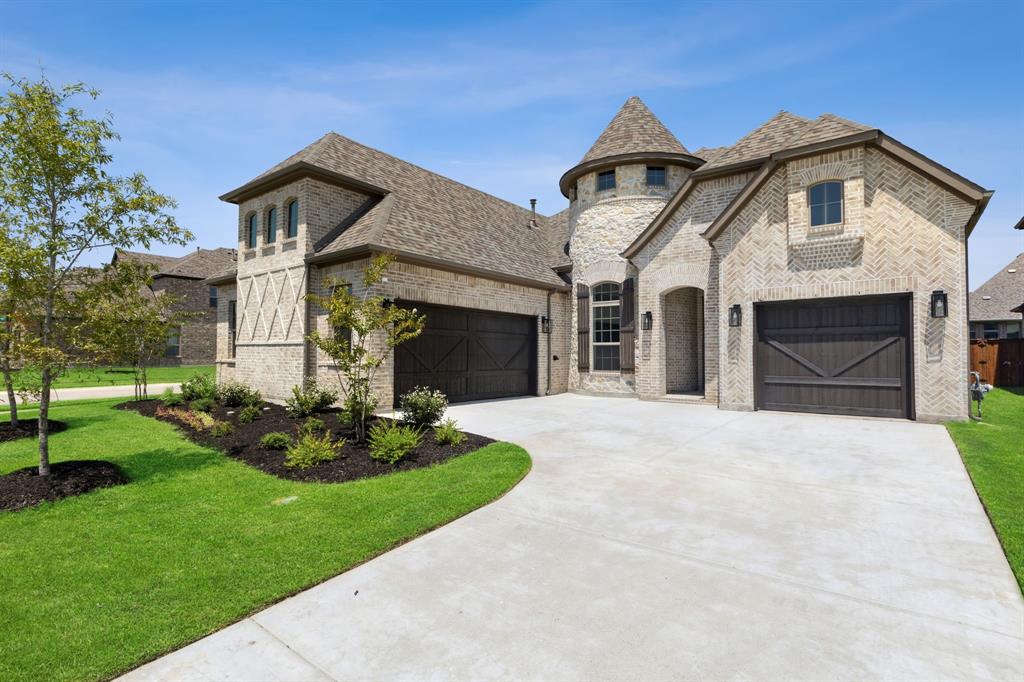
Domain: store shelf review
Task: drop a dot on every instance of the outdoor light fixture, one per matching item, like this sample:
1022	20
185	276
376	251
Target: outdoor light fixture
939	307
647	321
545	324
735	315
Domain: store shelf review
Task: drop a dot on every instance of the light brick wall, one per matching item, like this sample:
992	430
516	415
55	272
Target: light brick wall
197	339
683	313
225	363
905	235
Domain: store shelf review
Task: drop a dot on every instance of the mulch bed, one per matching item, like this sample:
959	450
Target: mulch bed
353	463
26	488
26	428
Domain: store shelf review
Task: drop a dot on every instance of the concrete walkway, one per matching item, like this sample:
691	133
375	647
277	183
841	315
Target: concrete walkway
90	392
665	541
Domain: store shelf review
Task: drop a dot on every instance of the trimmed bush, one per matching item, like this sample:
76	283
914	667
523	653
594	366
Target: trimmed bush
392	442
220	429
275	440
423	406
311	450
313	425
171	399
236	394
201	405
447	433
199	386
249	413
309	400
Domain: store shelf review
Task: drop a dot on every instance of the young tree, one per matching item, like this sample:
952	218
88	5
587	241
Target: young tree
123	322
17	297
58	198
373	329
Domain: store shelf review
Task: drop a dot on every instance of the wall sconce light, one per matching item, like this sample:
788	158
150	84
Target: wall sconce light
735	315
939	306
647	321
545	324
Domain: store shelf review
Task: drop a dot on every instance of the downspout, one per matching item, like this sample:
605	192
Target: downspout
547	391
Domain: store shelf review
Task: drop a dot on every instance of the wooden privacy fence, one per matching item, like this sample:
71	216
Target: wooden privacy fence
1000	362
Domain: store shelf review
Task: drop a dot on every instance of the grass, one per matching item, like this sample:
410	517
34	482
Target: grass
81	377
98	584
993	451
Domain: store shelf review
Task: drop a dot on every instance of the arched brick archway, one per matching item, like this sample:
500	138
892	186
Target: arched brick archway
682	321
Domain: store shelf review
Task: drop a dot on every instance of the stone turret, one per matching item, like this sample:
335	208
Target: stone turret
615	191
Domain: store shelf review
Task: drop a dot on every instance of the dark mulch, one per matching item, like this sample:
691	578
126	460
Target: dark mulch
353	463
26	488
26	428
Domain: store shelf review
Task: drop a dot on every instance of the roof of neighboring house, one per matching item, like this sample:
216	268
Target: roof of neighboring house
200	264
634	129
996	298
419	214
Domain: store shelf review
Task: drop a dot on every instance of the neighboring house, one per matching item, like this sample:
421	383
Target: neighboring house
816	265
195	342
992	304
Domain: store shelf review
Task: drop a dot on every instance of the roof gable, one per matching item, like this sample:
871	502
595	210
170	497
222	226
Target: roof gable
634	129
770	136
996	298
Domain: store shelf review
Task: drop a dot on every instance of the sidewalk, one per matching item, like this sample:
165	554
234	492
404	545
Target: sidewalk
126	391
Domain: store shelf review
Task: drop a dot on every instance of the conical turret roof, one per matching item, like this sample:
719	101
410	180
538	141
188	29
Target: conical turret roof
634	130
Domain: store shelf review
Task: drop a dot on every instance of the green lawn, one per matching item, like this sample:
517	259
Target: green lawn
993	451
79	377
95	585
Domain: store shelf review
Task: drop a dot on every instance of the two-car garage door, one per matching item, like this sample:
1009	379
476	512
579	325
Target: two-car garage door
837	356
469	354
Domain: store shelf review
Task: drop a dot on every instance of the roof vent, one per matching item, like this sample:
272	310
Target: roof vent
986	298
533	213
1012	270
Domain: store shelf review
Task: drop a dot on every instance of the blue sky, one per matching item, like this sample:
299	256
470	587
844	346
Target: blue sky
507	96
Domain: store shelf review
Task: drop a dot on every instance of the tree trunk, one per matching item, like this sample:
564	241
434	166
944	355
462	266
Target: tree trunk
47	378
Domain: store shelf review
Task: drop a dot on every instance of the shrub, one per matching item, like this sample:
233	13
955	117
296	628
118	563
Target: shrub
236	394
275	440
199	386
447	433
356	405
311	426
201	405
171	399
391	442
309	400
249	413
423	406
220	429
311	450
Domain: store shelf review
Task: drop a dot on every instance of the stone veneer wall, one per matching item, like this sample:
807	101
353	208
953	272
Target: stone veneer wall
902	233
678	256
602	224
409	282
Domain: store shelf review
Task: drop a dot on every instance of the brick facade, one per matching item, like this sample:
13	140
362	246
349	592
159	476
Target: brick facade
198	336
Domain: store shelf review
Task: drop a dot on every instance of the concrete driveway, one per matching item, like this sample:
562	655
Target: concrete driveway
658	541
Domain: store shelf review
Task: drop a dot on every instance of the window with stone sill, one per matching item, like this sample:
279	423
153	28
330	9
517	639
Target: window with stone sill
605	316
825	203
606	180
253	231
293	219
271	226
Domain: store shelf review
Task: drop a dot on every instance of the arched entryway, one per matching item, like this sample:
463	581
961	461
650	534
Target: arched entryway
682	317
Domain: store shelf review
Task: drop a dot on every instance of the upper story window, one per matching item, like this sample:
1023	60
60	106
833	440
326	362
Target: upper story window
990	330
232	327
253	229
213	297
293	218
606	180
656	176
605	302
826	203
272	226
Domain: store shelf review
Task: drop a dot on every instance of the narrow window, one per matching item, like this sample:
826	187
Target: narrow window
655	176
213	297
1012	330
253	229
342	333
293	218
990	330
272	226
606	180
605	299
826	202
173	348
232	327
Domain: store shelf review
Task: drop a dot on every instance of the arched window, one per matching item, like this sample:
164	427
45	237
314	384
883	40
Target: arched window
272	226
826	203
293	218
253	230
605	302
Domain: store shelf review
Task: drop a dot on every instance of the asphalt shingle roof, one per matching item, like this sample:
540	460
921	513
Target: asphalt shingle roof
634	129
1005	291
199	264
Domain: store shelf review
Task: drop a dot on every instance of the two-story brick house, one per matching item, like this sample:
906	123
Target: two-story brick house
816	265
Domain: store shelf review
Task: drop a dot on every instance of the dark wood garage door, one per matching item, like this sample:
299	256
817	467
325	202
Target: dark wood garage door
469	354
837	356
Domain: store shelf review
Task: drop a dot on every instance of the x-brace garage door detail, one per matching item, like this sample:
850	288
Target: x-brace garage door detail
469	354
837	356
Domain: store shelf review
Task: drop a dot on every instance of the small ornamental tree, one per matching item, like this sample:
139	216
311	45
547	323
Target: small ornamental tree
58	200
123	322
373	328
